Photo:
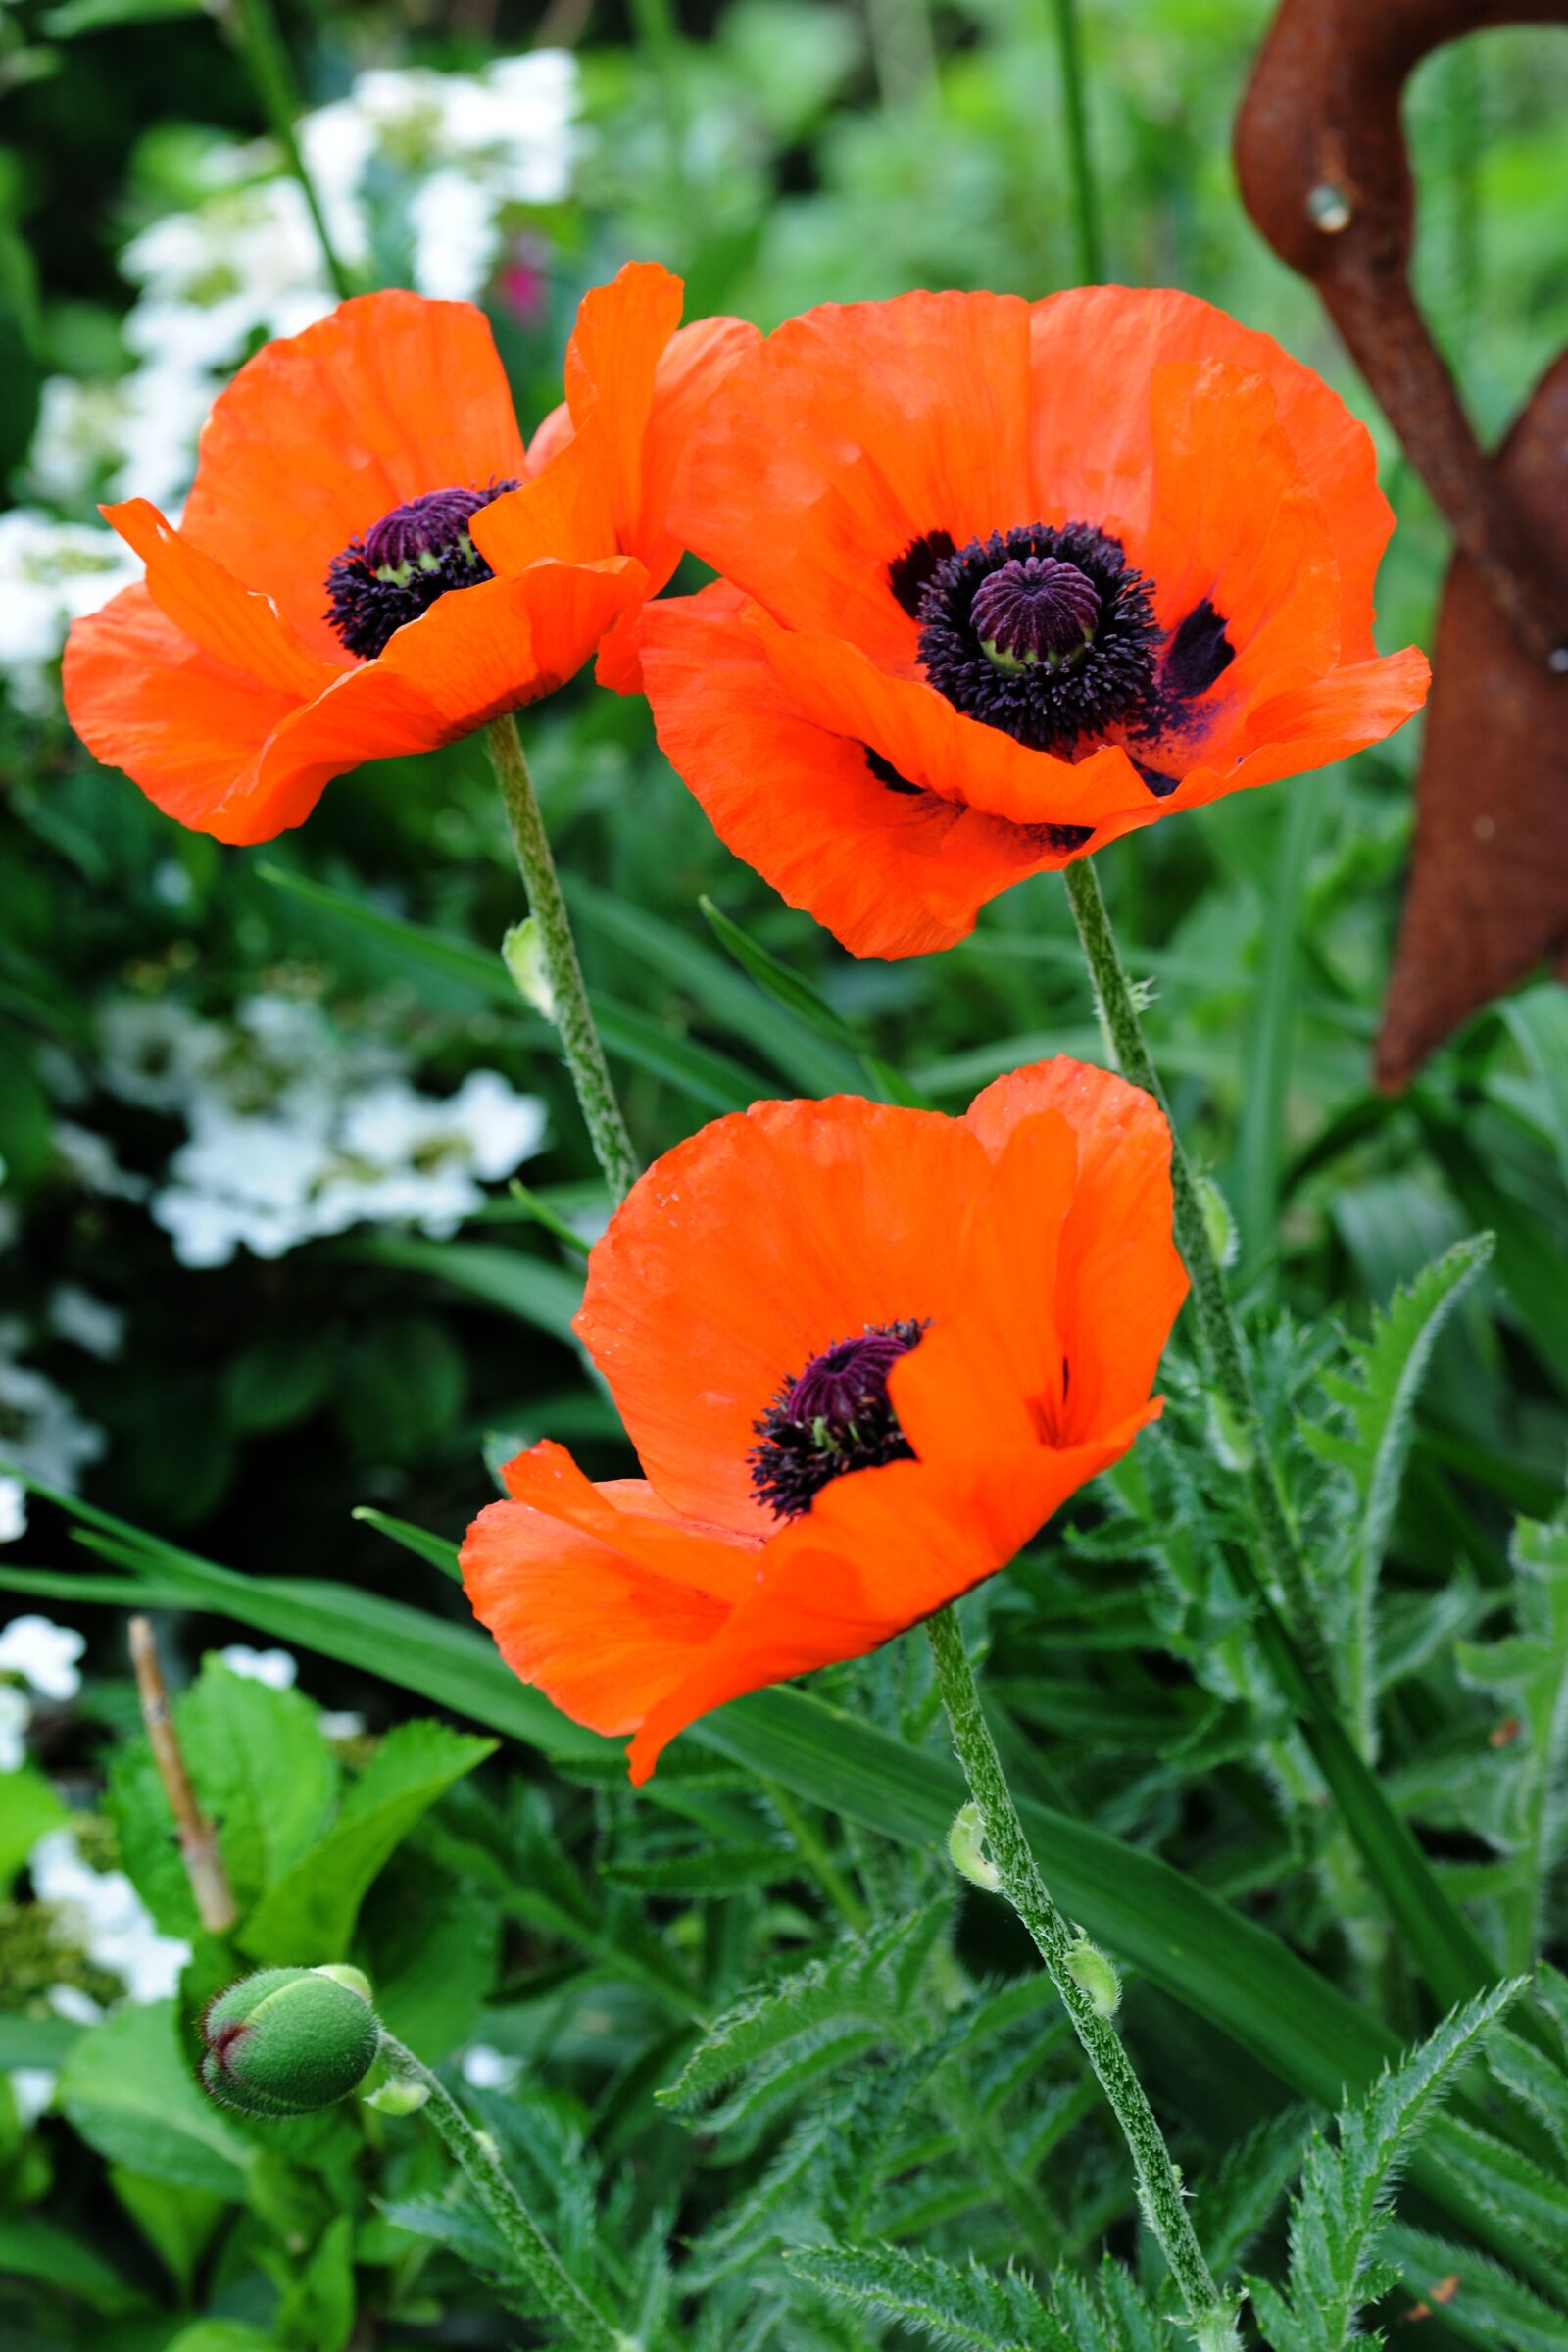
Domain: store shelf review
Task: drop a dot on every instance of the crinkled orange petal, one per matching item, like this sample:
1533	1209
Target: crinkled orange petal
1093	353
929	742
877	1554
890	872
612	361
690	370
323	433
1120	1280
236	626
849	433
746	1251
594	1628
1312	725
476	653
144	698
566	511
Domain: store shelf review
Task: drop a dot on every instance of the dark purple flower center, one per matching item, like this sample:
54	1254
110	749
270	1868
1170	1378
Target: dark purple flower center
418	552
1034	610
832	1417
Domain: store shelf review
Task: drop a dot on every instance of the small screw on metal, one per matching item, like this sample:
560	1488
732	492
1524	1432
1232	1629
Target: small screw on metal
1329	208
1557	659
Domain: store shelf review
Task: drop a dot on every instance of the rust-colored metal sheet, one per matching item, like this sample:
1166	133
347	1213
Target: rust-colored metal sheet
1325	175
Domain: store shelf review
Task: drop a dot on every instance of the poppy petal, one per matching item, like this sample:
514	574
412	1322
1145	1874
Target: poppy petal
748	1250
612	361
1094	351
601	1634
144	698
474	654
566	511
848	434
877	1554
1311	725
236	626
920	734
891	868
1120	1280
323	433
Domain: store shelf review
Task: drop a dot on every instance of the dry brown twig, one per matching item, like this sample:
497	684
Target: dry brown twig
215	1907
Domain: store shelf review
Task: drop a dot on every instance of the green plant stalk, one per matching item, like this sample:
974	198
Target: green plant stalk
1080	164
1160	2187
267	62
1451	1957
569	1008
537	2259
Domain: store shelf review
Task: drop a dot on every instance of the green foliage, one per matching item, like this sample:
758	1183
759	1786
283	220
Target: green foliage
1338	2218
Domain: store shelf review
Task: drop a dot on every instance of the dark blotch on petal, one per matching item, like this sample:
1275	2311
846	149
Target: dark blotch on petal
1198	653
908	573
1161	786
886	774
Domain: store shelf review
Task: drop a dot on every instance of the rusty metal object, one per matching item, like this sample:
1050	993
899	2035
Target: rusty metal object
1325	173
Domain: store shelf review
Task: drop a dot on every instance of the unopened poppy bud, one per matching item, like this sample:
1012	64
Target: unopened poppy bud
398	2096
288	2041
1096	1975
1218	1223
1229	1434
966	1850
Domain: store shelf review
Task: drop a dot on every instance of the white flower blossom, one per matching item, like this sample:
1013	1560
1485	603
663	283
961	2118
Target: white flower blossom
50	572
88	1323
43	1655
414	170
107	1919
12	1515
41	1432
489	2069
16	1713
33	2088
279	1668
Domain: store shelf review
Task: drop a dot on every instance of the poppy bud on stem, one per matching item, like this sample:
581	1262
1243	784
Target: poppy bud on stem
541	956
1085	1987
293	2041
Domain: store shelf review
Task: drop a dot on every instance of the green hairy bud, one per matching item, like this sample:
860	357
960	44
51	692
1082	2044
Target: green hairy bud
1095	1975
288	2041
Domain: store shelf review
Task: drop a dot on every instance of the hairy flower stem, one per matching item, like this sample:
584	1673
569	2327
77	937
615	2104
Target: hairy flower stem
568	996
1222	1339
536	2259
1160	2187
1450	1954
267	62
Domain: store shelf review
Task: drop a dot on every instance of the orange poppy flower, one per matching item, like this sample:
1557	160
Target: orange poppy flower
864	1352
304	615
1003	581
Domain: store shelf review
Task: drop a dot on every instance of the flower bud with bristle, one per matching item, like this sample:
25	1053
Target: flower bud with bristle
288	2041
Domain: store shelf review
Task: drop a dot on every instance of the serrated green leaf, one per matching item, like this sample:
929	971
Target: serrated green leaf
1478	2299
1528	1672
1337	2220
858	1984
958	2308
1378	1402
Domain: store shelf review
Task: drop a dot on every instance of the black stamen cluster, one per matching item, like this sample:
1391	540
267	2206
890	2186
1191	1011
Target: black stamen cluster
833	1417
418	552
1103	674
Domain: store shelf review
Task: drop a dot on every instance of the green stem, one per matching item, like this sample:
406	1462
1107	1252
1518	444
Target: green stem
1080	165
557	949
1450	1956
1222	1339
267	61
1160	2187
536	2259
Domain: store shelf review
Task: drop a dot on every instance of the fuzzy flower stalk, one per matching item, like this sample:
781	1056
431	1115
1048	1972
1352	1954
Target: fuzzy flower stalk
292	2040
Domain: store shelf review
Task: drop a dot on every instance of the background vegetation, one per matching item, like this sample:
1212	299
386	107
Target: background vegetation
260	1271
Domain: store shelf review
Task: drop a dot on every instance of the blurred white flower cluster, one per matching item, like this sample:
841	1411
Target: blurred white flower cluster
37	1660
418	174
297	1132
41	1432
